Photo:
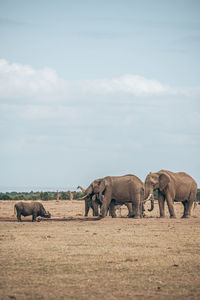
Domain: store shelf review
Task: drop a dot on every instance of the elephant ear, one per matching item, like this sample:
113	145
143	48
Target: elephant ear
164	179
88	191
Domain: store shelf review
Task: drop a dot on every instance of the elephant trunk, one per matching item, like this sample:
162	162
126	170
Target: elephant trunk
149	196
152	203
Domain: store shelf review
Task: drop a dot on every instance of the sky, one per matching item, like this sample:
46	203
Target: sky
95	88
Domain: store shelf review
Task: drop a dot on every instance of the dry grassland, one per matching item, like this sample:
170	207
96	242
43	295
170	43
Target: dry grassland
73	257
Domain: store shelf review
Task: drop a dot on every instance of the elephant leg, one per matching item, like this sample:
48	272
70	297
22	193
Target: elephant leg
188	205
93	213
87	207
142	209
184	204
161	202
130	209
106	202
112	211
136	207
170	206
19	216
104	210
95	209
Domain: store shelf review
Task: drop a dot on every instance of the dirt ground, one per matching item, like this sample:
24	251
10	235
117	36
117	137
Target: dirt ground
73	257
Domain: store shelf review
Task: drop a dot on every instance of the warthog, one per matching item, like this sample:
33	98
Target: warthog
30	208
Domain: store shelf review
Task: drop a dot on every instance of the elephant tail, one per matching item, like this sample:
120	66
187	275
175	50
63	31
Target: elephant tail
15	210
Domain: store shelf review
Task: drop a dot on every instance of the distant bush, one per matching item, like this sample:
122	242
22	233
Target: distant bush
44	196
4	196
53	195
19	197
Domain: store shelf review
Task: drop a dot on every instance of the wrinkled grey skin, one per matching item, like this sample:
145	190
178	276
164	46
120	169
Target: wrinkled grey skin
33	208
178	187
115	190
92	201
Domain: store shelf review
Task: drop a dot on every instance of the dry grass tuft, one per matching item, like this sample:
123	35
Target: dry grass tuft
73	257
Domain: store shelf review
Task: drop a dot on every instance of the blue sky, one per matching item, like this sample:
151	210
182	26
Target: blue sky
96	88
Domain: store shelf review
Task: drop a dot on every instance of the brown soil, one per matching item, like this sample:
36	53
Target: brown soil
74	257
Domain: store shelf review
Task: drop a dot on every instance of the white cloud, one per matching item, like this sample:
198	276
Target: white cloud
131	84
23	83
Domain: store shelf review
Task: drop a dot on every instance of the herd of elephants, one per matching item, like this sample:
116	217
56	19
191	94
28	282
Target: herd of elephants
108	192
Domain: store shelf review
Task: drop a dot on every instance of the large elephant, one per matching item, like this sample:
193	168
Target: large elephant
115	190
92	199
178	187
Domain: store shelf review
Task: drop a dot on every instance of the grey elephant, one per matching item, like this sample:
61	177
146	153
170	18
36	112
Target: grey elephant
115	190
33	208
178	187
92	192
90	202
93	203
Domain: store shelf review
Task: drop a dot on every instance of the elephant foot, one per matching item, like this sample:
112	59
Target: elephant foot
131	216
185	216
136	217
172	217
162	217
101	216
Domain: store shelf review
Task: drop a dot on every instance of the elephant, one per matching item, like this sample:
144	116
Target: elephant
92	200
31	208
115	190
178	187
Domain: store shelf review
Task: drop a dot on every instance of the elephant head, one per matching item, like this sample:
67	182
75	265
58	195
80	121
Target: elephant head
92	192
93	188
153	182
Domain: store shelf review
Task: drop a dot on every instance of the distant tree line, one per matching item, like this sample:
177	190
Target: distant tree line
45	196
40	195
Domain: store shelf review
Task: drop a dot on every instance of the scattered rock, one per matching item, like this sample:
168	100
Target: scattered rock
175	265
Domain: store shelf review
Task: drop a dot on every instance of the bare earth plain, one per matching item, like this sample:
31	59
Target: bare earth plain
74	257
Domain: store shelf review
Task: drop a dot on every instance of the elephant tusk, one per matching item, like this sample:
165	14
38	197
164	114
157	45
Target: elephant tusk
84	197
149	197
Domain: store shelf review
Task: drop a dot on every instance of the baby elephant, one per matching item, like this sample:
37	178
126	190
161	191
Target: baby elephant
30	208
